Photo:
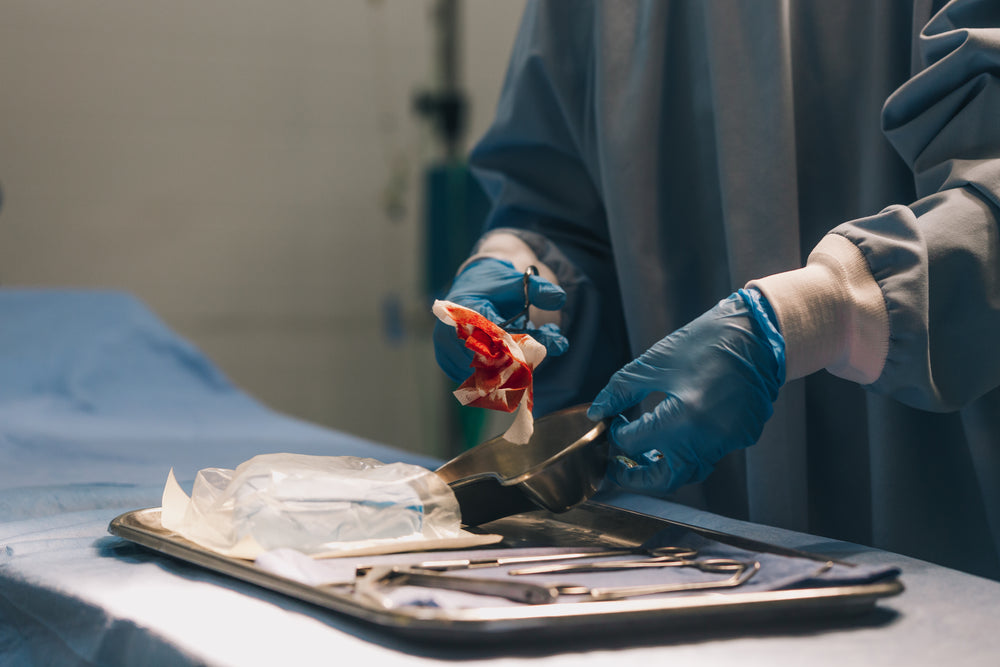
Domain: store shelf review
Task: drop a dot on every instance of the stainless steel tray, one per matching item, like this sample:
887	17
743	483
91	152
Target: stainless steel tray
589	524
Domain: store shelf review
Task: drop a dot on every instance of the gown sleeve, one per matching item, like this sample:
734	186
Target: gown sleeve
533	164
937	260
908	300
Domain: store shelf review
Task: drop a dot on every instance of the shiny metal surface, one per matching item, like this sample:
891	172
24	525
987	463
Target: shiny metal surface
674	553
517	591
743	573
560	467
506	324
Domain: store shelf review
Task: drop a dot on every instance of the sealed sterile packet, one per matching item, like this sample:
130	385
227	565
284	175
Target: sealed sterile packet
313	504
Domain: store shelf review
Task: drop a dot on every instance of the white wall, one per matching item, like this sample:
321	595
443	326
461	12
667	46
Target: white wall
230	163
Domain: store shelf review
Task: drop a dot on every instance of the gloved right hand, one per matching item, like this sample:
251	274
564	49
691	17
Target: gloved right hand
495	289
719	375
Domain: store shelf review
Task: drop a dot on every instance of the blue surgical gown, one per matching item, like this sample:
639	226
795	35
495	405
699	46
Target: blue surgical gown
658	155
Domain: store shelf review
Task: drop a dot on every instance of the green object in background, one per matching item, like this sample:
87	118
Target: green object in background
456	205
456	208
472	422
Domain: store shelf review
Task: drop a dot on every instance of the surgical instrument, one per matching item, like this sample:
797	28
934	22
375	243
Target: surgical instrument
739	577
500	561
526	280
717	565
517	591
530	593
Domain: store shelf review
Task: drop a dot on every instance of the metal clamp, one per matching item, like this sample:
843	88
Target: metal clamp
525	280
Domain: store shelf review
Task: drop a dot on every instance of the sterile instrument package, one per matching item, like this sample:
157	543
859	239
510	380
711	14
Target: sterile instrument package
313	504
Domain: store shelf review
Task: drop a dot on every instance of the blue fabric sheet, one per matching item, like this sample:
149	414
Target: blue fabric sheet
777	571
97	390
99	399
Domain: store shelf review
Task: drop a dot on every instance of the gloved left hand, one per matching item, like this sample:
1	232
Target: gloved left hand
720	373
495	289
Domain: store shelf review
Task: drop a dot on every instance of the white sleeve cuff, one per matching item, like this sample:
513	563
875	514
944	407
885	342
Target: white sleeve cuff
499	244
831	313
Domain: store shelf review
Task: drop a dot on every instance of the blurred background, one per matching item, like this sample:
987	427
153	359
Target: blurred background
265	176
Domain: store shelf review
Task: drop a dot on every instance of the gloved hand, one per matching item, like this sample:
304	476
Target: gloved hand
720	373
495	289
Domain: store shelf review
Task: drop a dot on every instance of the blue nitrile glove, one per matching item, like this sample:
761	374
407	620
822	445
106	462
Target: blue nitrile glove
720	373
495	289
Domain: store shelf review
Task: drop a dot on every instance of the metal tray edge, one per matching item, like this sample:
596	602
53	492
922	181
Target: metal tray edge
462	625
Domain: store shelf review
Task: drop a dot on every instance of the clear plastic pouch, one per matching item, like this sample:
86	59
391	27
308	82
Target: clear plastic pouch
313	504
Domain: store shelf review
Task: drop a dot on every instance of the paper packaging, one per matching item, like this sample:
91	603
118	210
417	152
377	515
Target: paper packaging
318	505
502	365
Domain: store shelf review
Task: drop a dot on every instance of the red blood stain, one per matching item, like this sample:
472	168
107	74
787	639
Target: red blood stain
500	378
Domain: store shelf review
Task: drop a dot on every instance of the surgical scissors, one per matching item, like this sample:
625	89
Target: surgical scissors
500	561
739	571
368	583
680	557
525	281
518	591
741	574
368	579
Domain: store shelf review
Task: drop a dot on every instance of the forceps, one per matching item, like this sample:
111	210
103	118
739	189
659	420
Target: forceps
742	572
676	557
367	583
500	561
525	281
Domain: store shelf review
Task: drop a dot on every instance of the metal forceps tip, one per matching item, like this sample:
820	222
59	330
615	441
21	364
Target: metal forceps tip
525	282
